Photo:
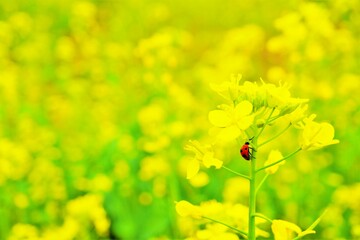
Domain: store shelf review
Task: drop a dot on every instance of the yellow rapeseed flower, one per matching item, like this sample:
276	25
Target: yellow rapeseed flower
297	116
317	135
203	154
88	208
284	230
193	168
186	209
21	200
228	89
280	97
23	231
274	156
200	179
230	121
226	214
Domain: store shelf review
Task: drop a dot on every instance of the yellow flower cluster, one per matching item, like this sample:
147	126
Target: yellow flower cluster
234	215
236	222
255	101
80	213
251	108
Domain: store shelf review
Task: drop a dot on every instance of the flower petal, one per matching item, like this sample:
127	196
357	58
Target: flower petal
222	89
199	180
185	209
192	168
209	160
289	225
317	135
243	108
228	134
326	133
280	229
245	122
274	156
219	118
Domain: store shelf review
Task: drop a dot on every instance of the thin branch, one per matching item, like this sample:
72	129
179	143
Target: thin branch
279	161
261	183
275	118
259	215
233	228
267	121
277	135
239	174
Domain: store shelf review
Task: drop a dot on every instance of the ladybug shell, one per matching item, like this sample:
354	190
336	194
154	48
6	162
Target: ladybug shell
244	151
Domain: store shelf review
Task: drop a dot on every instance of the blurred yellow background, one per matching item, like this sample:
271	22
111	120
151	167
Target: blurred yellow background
98	98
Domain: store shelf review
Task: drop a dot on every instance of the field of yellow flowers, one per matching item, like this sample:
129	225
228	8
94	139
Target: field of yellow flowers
125	119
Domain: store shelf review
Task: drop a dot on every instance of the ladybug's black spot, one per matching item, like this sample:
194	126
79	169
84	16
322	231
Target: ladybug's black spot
246	148
247	157
241	150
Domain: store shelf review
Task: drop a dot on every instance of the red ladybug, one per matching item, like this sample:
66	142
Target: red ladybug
245	151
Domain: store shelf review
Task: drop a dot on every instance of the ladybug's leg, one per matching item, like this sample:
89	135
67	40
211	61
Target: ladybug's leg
252	149
251	156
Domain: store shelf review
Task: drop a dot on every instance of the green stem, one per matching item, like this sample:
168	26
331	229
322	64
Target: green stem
233	228
252	194
252	197
275	118
261	183
239	174
313	225
263	217
279	161
277	135
267	121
